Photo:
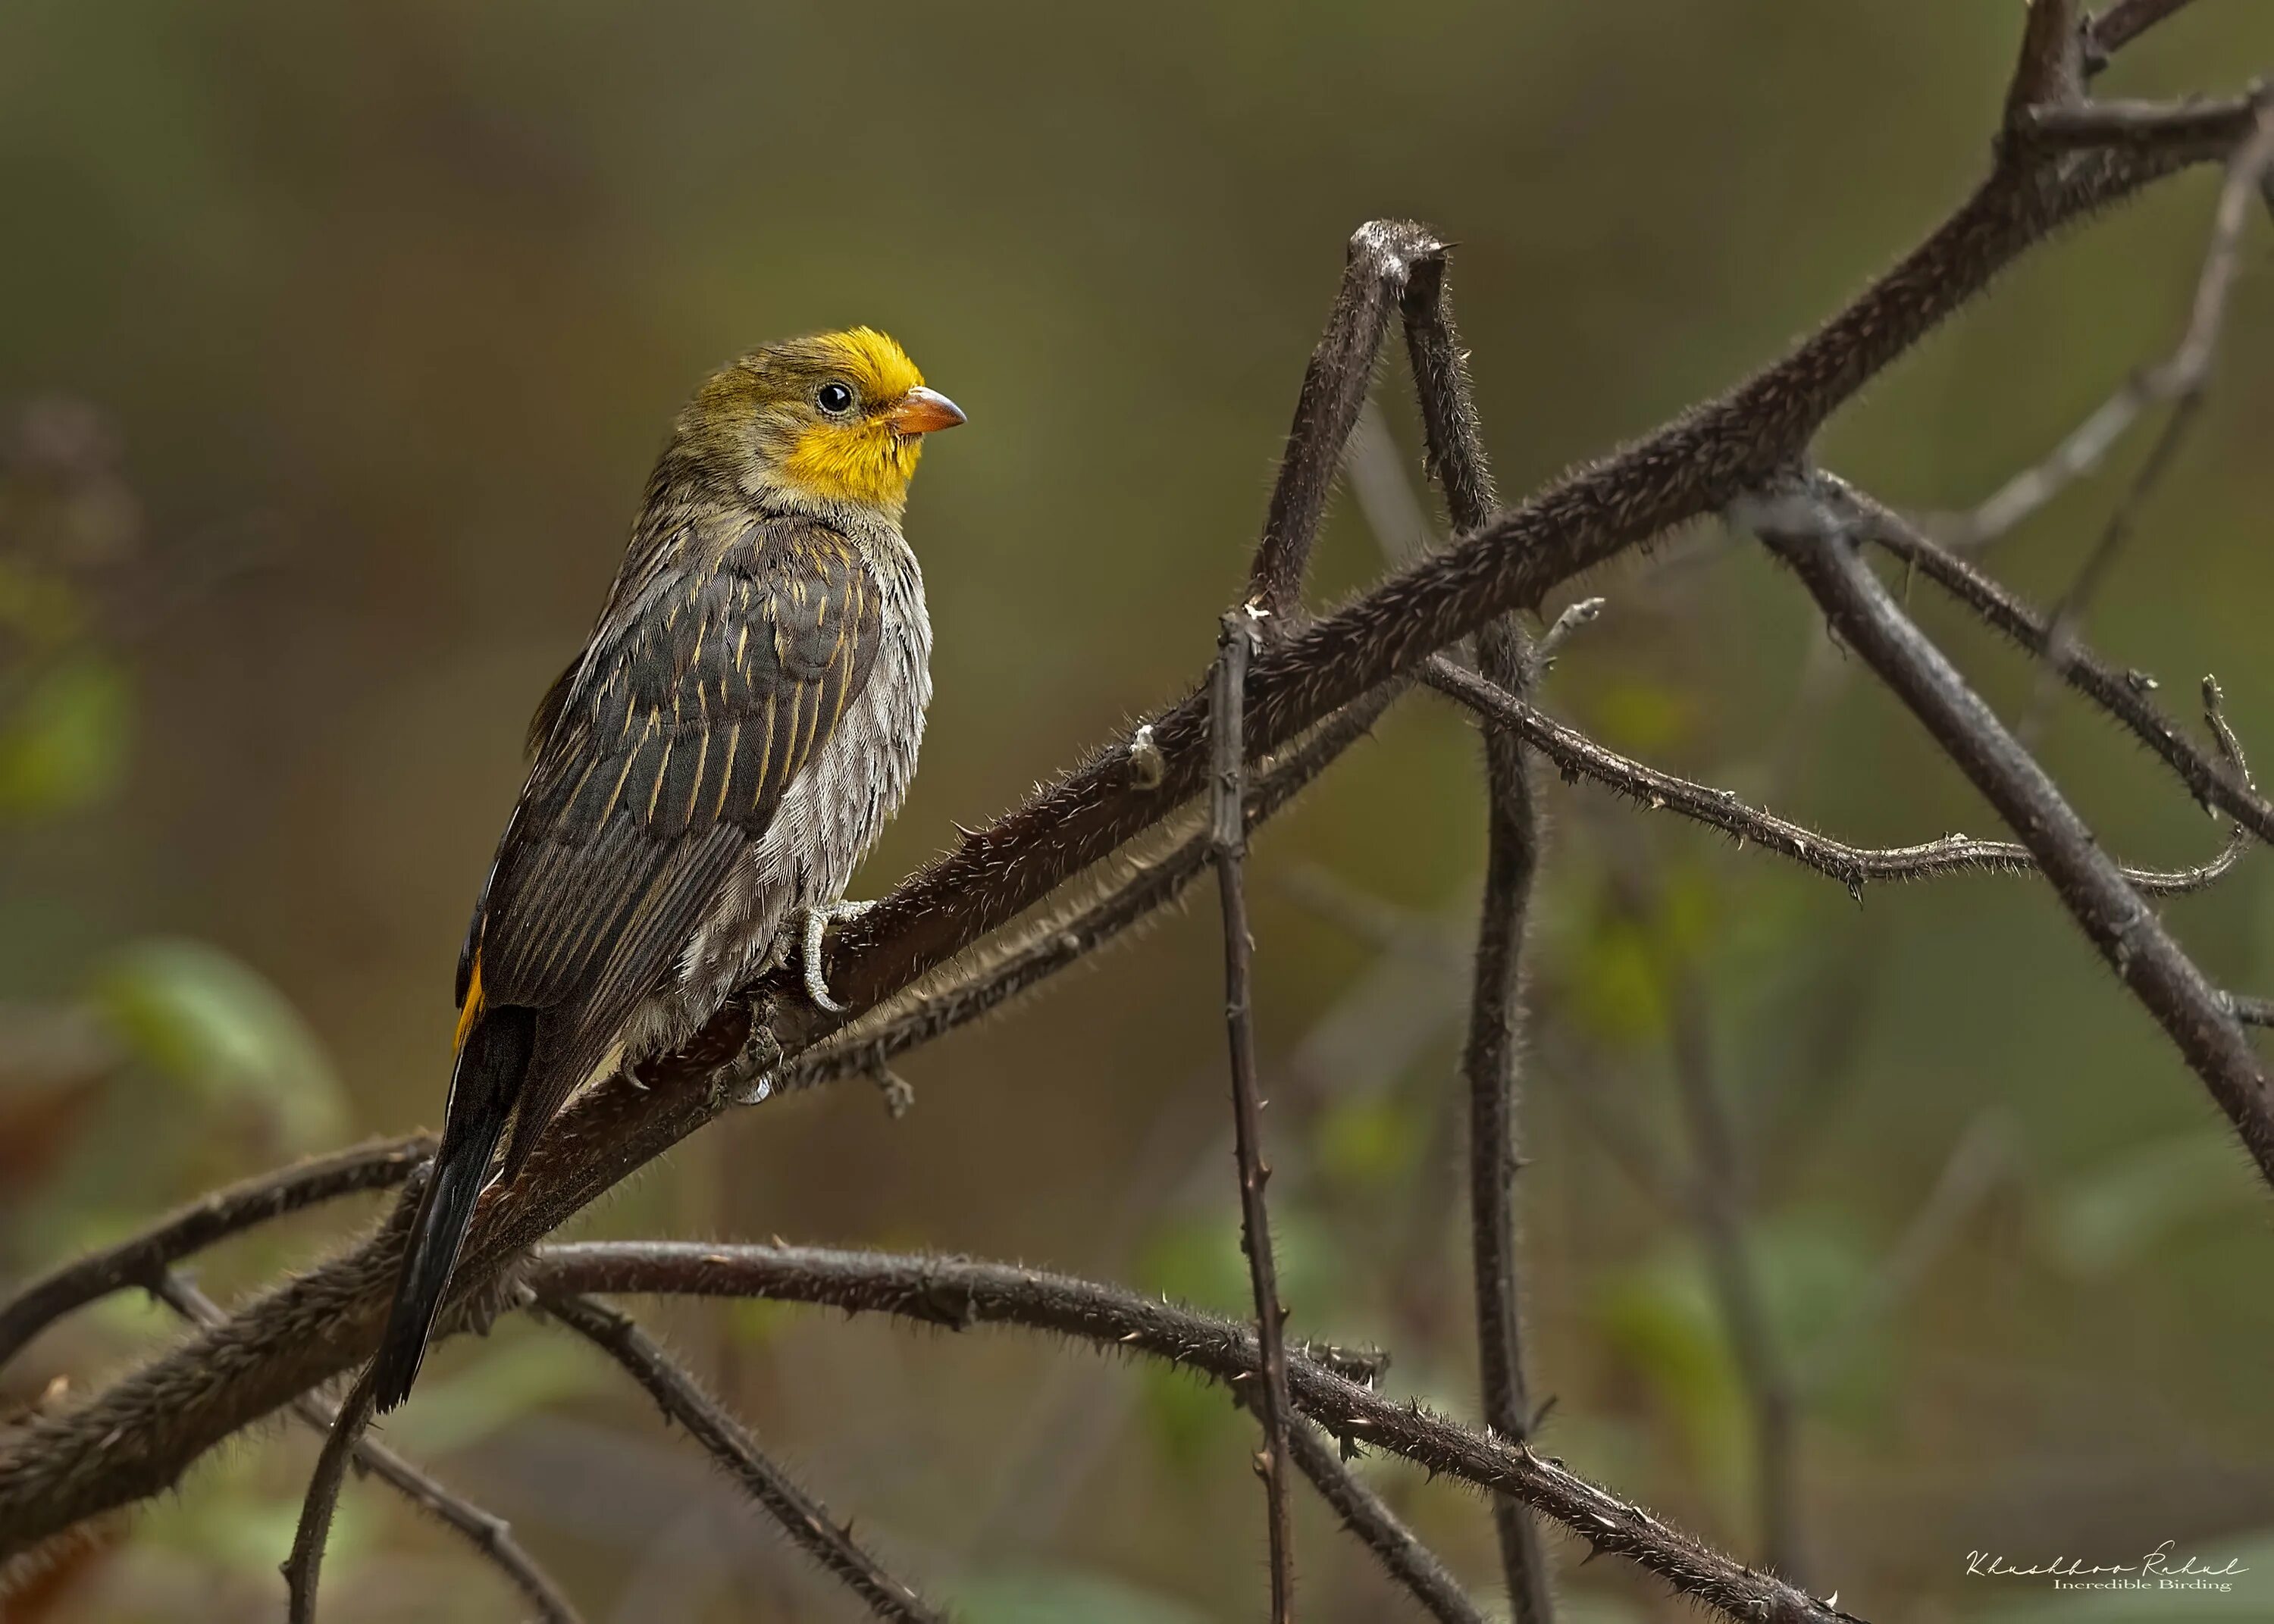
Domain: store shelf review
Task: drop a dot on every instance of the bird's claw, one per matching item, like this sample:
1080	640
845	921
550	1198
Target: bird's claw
817	920
751	1077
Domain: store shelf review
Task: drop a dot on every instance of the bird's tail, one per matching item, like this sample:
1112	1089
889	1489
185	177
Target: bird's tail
492	1063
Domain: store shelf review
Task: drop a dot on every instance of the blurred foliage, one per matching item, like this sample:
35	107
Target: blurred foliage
204	1022
340	342
1046	1596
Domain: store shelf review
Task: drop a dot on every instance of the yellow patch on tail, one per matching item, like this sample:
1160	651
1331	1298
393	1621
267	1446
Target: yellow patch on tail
472	1012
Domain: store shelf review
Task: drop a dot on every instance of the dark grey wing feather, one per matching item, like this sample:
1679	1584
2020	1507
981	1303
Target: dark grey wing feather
668	756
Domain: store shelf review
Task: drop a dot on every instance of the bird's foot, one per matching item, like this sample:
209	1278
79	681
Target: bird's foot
817	920
750	1079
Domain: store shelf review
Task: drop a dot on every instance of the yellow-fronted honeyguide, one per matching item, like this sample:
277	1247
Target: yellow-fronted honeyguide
708	772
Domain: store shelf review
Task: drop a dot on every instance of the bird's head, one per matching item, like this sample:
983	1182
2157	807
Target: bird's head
828	420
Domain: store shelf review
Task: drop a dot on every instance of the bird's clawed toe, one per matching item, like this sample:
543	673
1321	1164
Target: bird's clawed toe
817	920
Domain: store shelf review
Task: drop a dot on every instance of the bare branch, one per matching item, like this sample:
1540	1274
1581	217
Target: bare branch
143	1260
2251	1012
1456	462
959	1294
1804	527
804	1518
2125	20
2122	693
1380	255
306	1561
492	1535
1854	867
1064	939
1234	647
2203	126
1574	618
1376	1527
2180	378
2050	70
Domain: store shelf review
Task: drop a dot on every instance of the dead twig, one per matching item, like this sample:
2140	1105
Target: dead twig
1804	525
2179	380
142	1259
305	1564
1455	459
1853	866
2124	695
1234	647
682	1398
2182	380
491	1534
960	1294
1375	1526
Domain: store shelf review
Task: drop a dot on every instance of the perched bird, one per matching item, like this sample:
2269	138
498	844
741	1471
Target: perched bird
743	720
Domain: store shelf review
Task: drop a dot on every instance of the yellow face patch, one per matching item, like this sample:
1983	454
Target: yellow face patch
864	461
855	456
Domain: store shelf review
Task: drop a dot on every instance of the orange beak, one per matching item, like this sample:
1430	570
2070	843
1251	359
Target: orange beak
923	411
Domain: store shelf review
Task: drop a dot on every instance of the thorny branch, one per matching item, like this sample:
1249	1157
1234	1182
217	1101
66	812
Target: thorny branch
1579	756
1804	525
1453	443
959	1295
144	1258
1376	1527
305	1565
2123	694
137	1436
490	1535
2182	380
682	1398
1228	826
2179	378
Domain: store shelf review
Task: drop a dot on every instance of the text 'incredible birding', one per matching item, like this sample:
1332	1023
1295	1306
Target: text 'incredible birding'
712	767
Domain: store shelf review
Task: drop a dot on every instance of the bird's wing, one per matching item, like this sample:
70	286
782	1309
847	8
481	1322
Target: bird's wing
669	754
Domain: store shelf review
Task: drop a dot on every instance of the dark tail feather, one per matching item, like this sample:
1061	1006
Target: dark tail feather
483	1090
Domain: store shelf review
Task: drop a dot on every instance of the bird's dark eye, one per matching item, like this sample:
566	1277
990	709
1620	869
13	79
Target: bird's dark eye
834	398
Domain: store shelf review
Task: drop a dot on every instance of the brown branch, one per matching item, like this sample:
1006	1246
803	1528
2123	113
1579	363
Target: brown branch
1853	866
1804	526
2122	693
2251	1012
1381	256
1456	462
958	1294
682	1399
2202	127
2124	21
1375	1526
491	1534
2180	378
143	1260
1234	647
2049	72
303	1566
59	1469
1064	939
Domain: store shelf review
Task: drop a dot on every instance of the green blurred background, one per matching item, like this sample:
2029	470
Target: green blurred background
338	343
